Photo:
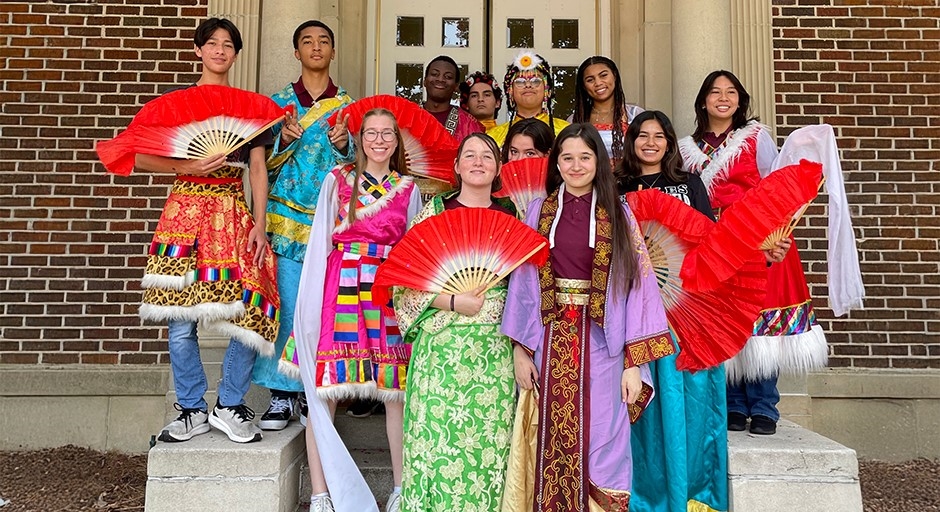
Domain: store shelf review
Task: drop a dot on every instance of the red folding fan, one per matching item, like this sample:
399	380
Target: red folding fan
429	148
191	123
763	211
523	180
459	251
710	326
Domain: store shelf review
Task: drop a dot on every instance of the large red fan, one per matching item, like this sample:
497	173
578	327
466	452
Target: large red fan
429	149
191	123
523	180
746	224
459	251
710	326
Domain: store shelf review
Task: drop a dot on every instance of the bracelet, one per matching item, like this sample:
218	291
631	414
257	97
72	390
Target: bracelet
452	302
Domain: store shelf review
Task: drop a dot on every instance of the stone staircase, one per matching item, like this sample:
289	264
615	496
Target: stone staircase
796	469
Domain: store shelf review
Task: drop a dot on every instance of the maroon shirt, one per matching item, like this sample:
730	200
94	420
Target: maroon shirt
306	100
714	140
453	204
572	256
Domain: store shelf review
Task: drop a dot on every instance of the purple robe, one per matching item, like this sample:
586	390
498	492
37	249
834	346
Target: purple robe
638	316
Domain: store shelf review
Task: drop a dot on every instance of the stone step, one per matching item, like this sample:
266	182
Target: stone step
209	472
795	469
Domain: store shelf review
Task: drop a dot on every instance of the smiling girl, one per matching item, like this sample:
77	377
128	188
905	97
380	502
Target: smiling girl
346	346
584	327
599	100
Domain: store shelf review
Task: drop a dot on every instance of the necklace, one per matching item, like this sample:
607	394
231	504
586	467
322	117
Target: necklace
653	183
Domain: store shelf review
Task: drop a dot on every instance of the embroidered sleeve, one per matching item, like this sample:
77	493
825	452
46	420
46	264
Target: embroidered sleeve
650	348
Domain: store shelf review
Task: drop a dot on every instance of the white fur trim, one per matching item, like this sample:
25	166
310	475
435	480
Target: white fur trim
347	391
391	395
376	206
209	312
289	369
165	281
241	165
244	336
766	356
695	160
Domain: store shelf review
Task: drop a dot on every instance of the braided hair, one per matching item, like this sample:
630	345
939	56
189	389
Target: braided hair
530	61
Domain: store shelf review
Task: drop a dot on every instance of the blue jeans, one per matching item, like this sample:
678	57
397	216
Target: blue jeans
755	398
189	377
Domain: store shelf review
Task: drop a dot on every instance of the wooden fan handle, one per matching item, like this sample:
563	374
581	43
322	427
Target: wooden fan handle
514	266
257	132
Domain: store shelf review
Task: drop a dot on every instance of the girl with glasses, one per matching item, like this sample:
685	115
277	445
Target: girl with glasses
529	94
345	346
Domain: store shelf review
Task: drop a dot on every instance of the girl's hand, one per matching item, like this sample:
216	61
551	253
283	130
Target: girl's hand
468	303
630	384
257	244
778	253
526	373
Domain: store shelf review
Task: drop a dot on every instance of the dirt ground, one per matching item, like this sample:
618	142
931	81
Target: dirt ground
71	478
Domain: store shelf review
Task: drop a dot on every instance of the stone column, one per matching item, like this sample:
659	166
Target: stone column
752	55
278	66
701	43
246	16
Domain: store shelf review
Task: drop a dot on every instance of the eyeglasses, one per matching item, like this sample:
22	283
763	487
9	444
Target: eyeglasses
373	135
532	81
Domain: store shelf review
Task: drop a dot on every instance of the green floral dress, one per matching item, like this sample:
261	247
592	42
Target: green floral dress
459	402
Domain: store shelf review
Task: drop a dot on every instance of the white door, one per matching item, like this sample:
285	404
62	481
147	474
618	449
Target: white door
411	33
403	35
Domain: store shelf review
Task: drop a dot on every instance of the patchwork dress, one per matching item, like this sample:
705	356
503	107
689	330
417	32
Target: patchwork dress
344	346
199	267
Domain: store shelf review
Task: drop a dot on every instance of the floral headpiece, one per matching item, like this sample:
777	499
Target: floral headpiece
479	77
529	61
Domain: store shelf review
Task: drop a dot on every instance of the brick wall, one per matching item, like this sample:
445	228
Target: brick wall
871	68
72	238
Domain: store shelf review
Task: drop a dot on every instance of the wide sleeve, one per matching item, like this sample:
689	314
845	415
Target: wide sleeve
414	203
646	330
522	316
766	152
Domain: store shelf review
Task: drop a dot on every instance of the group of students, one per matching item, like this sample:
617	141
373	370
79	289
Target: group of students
292	281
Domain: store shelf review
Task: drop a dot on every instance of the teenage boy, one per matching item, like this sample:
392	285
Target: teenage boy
305	150
209	262
481	96
441	77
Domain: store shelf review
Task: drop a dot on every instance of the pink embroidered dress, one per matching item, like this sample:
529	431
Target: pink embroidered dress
344	345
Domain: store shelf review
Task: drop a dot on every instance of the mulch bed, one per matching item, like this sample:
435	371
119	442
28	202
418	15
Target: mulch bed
72	478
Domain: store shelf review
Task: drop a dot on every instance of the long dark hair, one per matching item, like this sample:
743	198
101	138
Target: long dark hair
671	164
623	260
493	147
542	136
740	116
584	103
398	162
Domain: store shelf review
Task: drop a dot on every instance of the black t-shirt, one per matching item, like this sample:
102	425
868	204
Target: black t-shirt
692	192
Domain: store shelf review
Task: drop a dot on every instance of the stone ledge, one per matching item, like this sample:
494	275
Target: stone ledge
84	380
874	383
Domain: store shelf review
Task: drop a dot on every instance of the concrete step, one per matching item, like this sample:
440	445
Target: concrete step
209	472
795	469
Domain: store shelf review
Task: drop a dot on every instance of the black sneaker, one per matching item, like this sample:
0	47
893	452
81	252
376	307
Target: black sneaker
278	414
737	422
365	408
763	426
302	406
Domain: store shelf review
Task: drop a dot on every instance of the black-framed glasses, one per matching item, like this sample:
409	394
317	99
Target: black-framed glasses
373	135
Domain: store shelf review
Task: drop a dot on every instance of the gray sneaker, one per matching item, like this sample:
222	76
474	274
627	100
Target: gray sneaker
394	502
190	422
235	422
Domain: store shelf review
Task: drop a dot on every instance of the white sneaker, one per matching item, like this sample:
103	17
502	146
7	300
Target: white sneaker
190	422
394	501
321	504
236	423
